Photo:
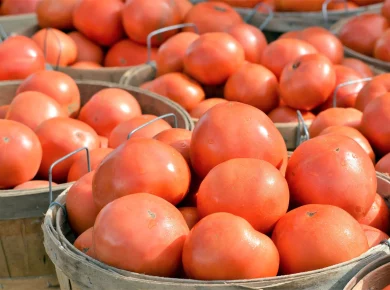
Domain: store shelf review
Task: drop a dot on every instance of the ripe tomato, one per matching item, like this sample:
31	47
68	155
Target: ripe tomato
335	117
386	9
184	6
56	85
208	255
382	47
212	17
379	86
247	133
103	142
336	171
86	65
178	138
312	76
14	7
255	85
3	111
141	233
362	31
241	3
342	6
171	53
304	236
108	108
56	13
383	165
33	184
375	115
284	114
366	2
80	206
84	243
359	66
20	154
179	88
190	215
107	13
59	137
20	57
298	5
142	165
213	58
45	108
79	167
120	133
351	133
204	106
252	40
374	236
128	53
142	17
86	49
283	51
58	47
378	216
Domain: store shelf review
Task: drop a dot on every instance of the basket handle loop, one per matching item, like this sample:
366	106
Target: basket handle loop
325	8
302	130
270	15
59	161
345	84
3	34
152	121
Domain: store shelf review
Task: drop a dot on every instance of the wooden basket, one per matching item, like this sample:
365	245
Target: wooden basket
78	271
22	253
383	65
17	23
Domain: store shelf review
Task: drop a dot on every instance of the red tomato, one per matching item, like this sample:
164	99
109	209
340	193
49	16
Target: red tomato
378	216
20	154
20	57
386	9
141	233
374	236
44	108
56	13
383	164
359	66
56	85
191	216
108	108
87	50
34	184
204	106
208	255
86	65
312	76
255	85
382	47
84	243
284	114
247	133
336	171
103	142
155	167
379	86
13	7
79	167
120	133
59	137
107	13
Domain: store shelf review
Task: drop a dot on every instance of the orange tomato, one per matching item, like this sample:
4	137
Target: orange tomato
382	47
359	66
86	65
34	184
383	164
84	243
374	236
204	106
342	6
56	13
191	216
378	216
86	49
15	7
298	5
379	86
284	114
184	6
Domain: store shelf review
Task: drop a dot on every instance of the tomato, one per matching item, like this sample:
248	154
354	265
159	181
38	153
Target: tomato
179	88
59	137
342	6
312	76
204	106
374	236
191	216
298	5
108	108
241	3
20	154
86	65
84	243
141	233
142	17
382	47
14	7
284	114
184	6
56	13
375	115
120	133
386	9
247	133
20	57
379	86
213	58
107	13
80	206
86	49
103	142
155	167
3	111
383	164
171	53
359	66
208	254
305	235
44	108
79	167
212	17
283	51
128	53
56	85
362	31
58	47
34	184
252	40
378	216
179	139
335	117
255	85
366	2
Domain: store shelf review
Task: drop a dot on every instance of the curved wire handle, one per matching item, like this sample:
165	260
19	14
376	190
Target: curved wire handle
254	11
3	34
48	66
334	98
152	121
59	161
301	127
325	8
163	30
